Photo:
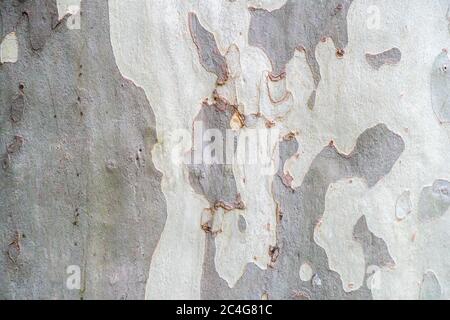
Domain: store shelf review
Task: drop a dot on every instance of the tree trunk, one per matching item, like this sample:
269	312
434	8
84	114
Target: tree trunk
206	149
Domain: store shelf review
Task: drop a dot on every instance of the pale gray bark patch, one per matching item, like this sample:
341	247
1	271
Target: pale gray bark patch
215	181
79	186
434	201
376	152
430	288
299	25
376	252
440	87
210	57
390	57
301	209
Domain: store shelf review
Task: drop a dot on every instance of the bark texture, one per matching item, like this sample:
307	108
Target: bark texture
218	149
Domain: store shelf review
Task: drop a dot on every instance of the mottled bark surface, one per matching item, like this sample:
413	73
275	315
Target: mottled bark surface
78	186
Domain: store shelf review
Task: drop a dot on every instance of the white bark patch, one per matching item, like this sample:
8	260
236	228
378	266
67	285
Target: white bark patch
335	232
254	180
9	49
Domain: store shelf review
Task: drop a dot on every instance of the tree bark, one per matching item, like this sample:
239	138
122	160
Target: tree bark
206	149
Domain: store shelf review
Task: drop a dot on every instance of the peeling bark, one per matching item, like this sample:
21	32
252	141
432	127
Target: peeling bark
67	115
219	149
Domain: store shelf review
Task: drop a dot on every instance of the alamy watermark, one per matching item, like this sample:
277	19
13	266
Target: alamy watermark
73	9
258	147
73	281
374	19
